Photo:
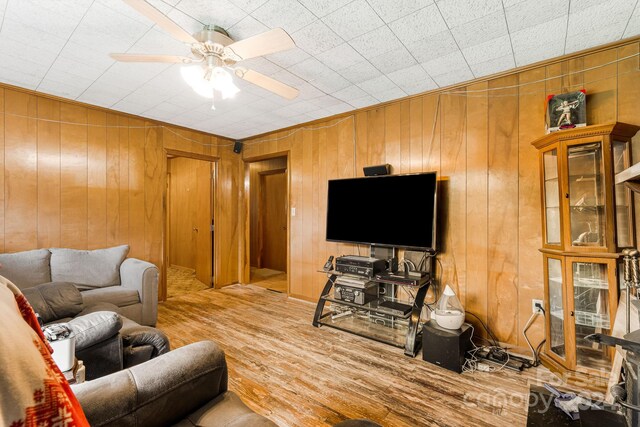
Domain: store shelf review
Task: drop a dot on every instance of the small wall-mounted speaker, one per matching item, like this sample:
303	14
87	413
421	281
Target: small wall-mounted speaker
237	147
377	170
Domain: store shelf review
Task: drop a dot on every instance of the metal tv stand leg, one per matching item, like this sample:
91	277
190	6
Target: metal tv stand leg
412	345
321	300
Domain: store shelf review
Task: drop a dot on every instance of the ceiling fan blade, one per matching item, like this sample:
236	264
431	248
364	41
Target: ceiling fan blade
134	57
161	20
268	83
271	41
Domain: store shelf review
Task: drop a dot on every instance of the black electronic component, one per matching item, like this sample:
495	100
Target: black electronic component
360	265
328	266
377	170
359	296
445	347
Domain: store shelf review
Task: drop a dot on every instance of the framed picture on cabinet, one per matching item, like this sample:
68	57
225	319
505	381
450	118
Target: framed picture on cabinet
566	111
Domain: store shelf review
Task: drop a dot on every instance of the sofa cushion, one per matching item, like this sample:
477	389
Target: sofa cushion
116	295
94	328
26	269
88	269
54	301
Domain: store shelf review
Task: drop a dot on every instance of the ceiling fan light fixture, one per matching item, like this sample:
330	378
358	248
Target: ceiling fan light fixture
218	79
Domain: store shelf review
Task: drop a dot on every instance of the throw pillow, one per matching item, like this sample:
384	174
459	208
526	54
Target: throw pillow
56	300
26	269
88	269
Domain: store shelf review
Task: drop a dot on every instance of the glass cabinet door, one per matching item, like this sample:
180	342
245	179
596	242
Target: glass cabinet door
587	216
551	197
557	342
591	311
624	219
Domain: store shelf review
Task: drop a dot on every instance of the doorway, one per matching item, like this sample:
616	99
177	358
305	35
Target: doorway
189	235
268	210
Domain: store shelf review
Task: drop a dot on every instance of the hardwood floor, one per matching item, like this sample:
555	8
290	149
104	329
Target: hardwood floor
298	375
181	280
269	279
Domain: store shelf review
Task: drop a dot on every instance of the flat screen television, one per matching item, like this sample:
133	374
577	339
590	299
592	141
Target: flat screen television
390	210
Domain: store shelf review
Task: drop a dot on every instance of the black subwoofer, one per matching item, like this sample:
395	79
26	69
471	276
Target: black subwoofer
445	347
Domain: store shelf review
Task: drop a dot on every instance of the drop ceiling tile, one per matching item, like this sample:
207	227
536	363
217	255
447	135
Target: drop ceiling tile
287	14
330	82
595	37
488	50
579	5
103	95
163	116
492	66
480	30
393	61
363	102
288	78
310	69
122	8
62	75
391	10
453	61
376	42
413	80
353	20
338	109
633	27
288	58
360	72
297	108
532	44
349	93
583	21
20	72
35	54
20	39
530	13
326	100
389	95
247	27
220	12
453	77
417	26
433	46
157	41
189	24
248	5
459	12
321	8
316	38
376	85
340	57
57	18
261	65
129	107
67	89
307	91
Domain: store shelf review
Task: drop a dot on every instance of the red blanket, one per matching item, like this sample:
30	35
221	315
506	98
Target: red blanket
33	391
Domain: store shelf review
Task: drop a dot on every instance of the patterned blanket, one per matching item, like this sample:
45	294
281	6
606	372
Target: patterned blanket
33	391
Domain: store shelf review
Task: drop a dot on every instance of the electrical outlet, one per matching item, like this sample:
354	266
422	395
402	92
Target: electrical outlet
535	309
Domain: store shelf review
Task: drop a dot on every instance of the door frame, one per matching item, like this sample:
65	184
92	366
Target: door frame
168	154
246	267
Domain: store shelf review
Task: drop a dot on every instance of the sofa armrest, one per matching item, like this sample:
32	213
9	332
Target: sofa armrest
159	392
143	277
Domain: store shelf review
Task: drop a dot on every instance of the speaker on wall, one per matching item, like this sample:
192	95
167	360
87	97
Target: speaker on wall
237	147
377	170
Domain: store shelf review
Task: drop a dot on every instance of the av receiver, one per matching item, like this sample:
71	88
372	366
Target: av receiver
360	265
356	295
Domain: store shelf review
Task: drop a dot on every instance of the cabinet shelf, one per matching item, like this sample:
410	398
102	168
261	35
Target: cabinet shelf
586	318
373	306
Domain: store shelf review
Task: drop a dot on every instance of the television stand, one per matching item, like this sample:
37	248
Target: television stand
384	319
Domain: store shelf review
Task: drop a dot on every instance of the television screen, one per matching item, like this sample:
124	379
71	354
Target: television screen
390	210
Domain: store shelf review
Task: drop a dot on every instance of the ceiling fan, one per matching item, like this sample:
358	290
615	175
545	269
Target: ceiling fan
216	53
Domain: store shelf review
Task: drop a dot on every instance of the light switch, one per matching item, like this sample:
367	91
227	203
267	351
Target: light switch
293	211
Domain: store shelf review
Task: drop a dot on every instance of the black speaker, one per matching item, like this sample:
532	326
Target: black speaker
237	147
377	170
445	347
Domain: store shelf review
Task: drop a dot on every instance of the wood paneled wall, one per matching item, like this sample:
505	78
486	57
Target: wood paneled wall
81	177
478	139
255	168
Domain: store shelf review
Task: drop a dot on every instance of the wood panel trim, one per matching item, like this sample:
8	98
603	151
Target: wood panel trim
179	153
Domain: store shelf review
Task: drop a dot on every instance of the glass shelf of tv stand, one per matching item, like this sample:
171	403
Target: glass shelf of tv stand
372	306
386	280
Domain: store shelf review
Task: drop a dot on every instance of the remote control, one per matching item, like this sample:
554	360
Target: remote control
328	266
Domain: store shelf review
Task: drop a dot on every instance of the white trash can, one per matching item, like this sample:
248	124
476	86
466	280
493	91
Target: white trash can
64	351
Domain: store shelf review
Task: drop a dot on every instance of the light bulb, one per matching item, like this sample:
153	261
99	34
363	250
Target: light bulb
220	80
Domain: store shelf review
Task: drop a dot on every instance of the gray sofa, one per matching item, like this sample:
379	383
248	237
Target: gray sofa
186	387
102	276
